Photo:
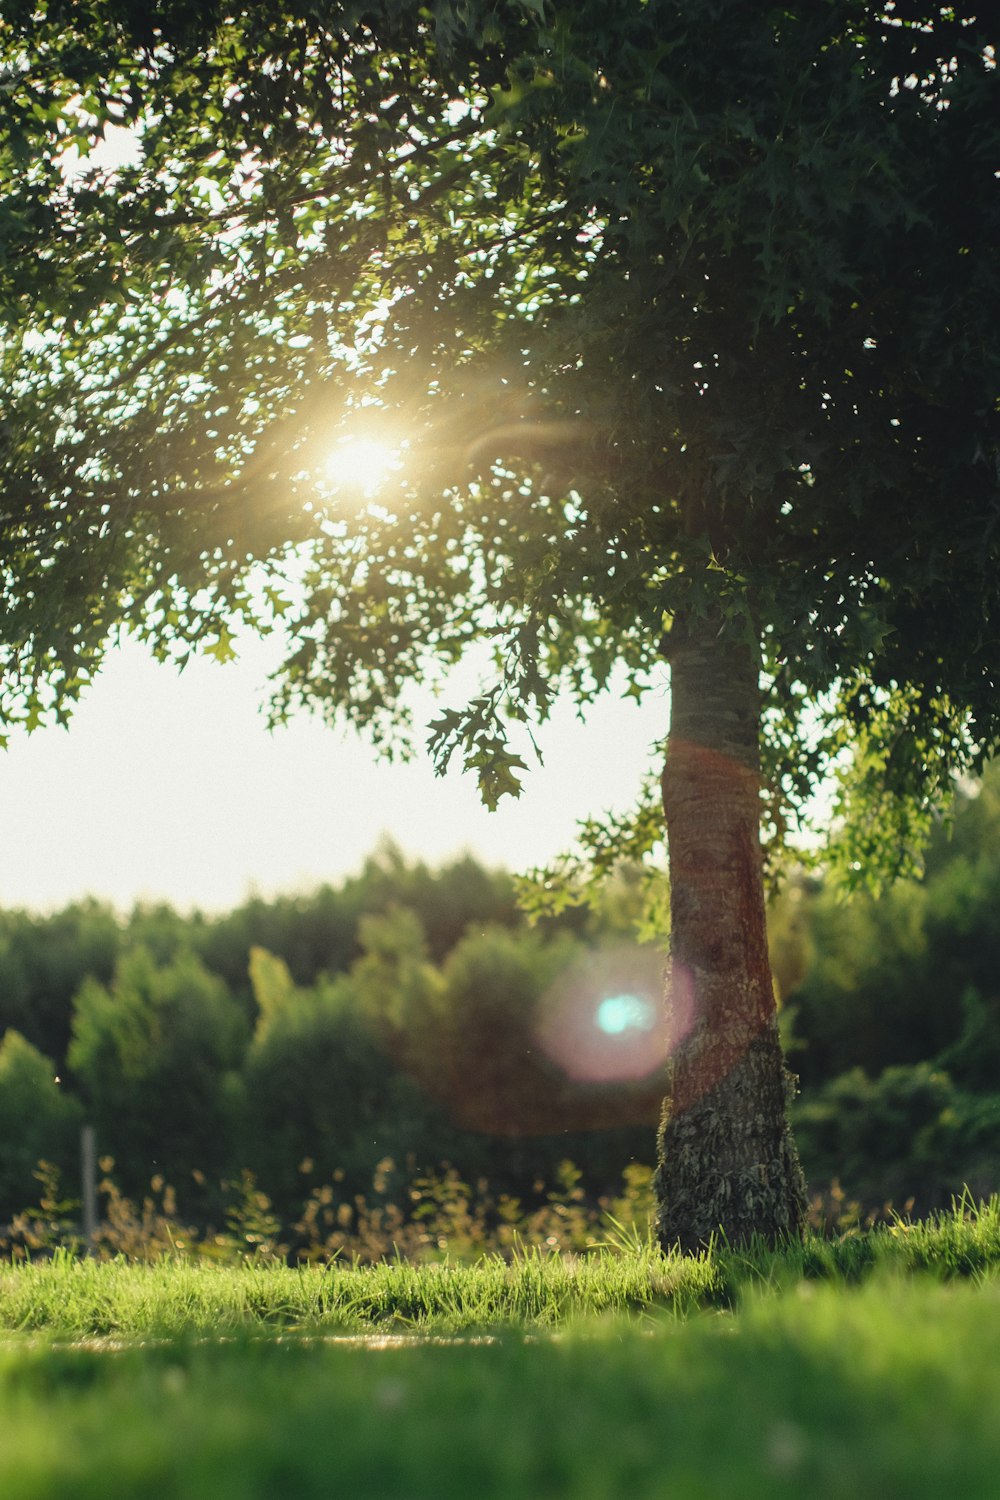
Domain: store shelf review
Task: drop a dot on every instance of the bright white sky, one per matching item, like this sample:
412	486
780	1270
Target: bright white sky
170	787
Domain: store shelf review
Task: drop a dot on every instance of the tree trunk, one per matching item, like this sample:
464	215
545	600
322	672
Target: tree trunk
726	1158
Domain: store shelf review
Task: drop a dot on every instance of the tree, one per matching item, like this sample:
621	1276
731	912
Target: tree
157	1054
323	1085
681	318
43	962
38	1122
909	974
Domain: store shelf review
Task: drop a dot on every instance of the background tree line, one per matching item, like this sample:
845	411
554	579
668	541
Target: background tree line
399	1015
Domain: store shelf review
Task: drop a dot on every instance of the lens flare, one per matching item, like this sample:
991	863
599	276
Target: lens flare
621	1013
606	1021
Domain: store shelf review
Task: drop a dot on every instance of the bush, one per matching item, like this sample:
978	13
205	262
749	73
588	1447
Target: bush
157	1053
909	1135
321	1085
37	1120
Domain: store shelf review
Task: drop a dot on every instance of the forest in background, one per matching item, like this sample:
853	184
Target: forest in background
302	1044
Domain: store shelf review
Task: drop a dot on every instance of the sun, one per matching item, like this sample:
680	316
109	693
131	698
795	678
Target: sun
361	465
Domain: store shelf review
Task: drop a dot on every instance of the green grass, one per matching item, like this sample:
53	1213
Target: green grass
174	1297
70	1299
890	1388
864	1365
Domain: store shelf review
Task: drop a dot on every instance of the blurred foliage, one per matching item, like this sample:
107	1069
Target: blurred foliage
892	1011
43	962
319	1077
900	978
909	1137
45	959
156	1054
430	1216
39	1120
396	1016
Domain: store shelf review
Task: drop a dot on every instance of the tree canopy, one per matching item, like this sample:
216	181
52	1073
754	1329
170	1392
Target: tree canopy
659	303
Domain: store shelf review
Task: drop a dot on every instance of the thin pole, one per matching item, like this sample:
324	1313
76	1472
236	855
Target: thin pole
88	1173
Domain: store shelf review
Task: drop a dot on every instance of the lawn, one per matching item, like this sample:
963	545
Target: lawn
863	1365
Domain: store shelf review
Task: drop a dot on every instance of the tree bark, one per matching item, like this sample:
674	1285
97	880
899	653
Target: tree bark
726	1158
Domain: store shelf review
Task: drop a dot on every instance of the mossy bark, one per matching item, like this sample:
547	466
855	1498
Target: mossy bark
726	1158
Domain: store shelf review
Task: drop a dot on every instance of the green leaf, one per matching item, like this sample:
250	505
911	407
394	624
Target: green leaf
222	648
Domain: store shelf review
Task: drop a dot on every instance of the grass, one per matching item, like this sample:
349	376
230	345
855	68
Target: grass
834	1367
68	1299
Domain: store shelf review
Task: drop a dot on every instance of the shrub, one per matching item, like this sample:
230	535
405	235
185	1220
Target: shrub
909	1134
37	1120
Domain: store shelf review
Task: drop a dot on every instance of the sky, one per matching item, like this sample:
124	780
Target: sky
170	787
